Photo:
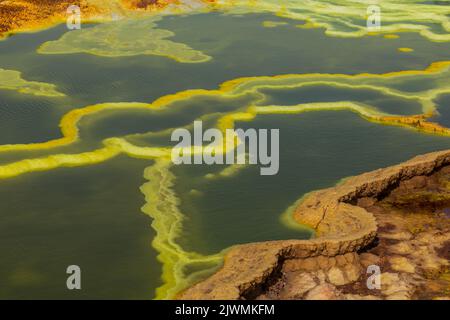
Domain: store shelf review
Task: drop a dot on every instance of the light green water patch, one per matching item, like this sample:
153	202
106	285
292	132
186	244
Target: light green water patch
124	38
12	80
348	19
89	217
316	150
321	93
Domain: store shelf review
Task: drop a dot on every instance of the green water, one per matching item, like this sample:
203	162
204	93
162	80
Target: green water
91	215
443	103
316	150
239	45
86	216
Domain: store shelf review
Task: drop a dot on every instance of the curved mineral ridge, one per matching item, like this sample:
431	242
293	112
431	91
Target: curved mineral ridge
12	80
430	20
176	261
342	228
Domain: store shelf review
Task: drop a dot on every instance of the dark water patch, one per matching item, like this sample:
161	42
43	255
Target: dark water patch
26	118
87	216
316	150
443	107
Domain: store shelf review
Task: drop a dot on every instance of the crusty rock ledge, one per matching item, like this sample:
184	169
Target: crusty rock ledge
342	229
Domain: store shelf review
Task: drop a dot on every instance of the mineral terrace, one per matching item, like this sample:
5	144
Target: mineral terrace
396	218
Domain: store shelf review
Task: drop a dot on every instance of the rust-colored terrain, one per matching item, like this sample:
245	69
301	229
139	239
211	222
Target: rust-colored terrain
24	15
27	15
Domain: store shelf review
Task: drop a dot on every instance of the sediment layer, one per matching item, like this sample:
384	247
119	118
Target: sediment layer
342	229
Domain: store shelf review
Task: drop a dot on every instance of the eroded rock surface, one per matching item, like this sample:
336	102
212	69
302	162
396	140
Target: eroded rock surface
410	204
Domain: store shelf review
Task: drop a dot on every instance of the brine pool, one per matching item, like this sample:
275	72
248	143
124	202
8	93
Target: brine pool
141	228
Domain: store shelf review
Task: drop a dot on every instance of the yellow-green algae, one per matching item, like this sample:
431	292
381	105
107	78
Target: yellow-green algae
391	36
347	18
273	24
405	49
437	74
162	206
287	217
12	80
161	201
338	18
127	37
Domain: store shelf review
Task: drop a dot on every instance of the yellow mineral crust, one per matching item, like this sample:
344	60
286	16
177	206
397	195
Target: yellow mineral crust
55	161
406	50
346	18
162	206
391	36
12	80
162	203
341	227
243	86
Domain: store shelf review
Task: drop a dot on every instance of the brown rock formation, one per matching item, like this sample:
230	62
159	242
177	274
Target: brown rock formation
332	265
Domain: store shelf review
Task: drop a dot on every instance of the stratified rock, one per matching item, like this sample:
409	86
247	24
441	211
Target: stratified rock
323	292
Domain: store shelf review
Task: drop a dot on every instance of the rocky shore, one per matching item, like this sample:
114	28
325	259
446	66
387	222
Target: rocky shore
29	15
396	219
